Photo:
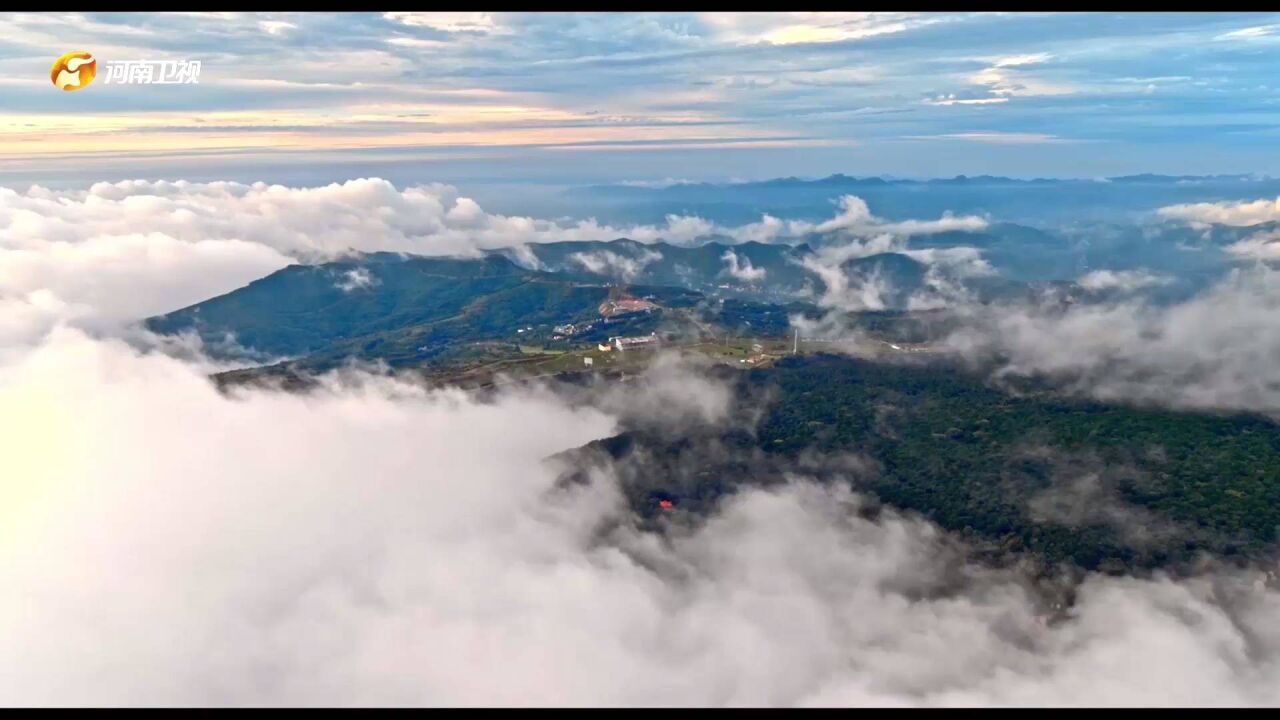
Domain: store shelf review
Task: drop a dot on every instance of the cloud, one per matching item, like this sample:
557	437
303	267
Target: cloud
118	252
276	27
997	138
108	280
716	79
1003	79
1214	351
374	543
1259	246
810	27
1241	213
852	217
305	223
951	99
742	269
1123	280
1000	81
449	22
1084	489
1018	60
848	292
126	250
607	262
870	289
356	279
1250	33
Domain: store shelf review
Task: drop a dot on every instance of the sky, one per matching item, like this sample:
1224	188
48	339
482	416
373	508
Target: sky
567	98
164	543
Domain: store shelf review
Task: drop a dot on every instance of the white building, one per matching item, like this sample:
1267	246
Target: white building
635	343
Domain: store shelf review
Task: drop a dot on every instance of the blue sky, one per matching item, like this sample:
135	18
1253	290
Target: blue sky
574	98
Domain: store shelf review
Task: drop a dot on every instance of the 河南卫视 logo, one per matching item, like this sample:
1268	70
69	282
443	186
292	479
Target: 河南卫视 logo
74	70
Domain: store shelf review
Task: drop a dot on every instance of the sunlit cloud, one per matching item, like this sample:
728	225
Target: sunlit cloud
450	22
811	27
951	99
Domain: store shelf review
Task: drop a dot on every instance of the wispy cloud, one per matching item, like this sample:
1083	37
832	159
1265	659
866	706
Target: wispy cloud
999	138
797	28
1250	33
449	22
951	99
1017	60
837	79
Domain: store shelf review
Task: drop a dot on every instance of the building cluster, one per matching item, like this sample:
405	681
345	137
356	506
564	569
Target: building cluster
627	306
561	332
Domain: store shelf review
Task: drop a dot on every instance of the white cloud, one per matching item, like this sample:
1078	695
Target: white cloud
1250	33
113	279
856	291
951	99
1003	82
1259	246
852	217
376	543
356	279
607	262
809	27
302	222
855	216
996	138
742	269
118	252
276	27
1124	280
1017	60
1214	351
450	22
1248	212
1003	78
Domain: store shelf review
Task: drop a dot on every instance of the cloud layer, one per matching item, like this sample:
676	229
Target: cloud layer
118	252
1245	212
376	543
1215	350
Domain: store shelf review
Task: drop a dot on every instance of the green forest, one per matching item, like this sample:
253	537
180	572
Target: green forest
1104	487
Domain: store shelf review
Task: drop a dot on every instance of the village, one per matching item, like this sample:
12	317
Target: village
627	332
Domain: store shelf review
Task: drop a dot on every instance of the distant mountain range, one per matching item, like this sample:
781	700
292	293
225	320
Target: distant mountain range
840	180
1042	202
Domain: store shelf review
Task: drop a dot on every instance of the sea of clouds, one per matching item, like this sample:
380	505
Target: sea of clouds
373	542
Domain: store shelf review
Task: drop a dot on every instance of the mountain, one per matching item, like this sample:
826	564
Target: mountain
771	271
407	310
386	305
